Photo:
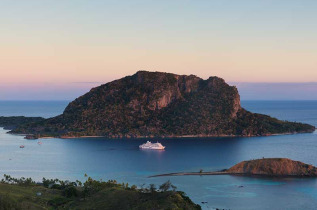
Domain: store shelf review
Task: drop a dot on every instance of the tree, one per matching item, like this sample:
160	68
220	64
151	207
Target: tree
79	183
142	189
174	187
152	188
165	186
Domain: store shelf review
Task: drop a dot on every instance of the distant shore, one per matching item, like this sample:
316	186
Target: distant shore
163	137
155	137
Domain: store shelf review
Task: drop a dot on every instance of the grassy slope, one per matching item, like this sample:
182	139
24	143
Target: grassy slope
20	197
24	197
116	198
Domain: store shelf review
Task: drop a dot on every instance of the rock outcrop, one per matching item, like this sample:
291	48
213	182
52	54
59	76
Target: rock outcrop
274	167
149	104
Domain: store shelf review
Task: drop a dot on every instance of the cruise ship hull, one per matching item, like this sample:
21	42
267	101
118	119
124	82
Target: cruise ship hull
152	148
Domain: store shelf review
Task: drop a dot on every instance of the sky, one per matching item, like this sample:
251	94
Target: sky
60	49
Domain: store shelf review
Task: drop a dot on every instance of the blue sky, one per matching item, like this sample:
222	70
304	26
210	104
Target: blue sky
277	91
61	48
248	91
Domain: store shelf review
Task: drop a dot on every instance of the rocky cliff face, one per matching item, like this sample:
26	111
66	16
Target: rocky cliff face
274	167
161	104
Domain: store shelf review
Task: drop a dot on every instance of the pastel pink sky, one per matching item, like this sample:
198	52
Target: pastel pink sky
55	44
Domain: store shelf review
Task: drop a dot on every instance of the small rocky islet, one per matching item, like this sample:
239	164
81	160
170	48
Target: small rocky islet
265	167
274	167
157	104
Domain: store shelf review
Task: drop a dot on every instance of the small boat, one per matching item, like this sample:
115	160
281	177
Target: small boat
22	146
39	142
150	145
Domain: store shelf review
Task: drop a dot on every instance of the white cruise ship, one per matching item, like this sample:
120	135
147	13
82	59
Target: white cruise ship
150	145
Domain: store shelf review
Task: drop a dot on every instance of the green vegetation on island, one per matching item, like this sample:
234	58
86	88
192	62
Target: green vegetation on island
56	194
156	104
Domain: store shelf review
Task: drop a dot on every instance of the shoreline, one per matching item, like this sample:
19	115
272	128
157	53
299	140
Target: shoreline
161	137
192	173
175	137
217	173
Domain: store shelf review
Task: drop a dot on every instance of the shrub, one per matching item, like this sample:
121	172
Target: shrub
70	191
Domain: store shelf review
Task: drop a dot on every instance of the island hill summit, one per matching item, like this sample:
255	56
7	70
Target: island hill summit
156	104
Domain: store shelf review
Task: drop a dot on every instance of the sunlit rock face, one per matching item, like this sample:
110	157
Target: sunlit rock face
161	104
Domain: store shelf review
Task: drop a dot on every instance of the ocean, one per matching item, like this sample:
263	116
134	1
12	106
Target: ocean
105	159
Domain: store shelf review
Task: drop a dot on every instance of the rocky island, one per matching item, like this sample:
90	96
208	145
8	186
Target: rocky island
156	104
267	167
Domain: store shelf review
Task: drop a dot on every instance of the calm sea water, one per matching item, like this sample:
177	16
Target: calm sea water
122	160
44	109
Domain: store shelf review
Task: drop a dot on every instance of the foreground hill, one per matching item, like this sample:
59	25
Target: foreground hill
149	104
55	194
273	167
